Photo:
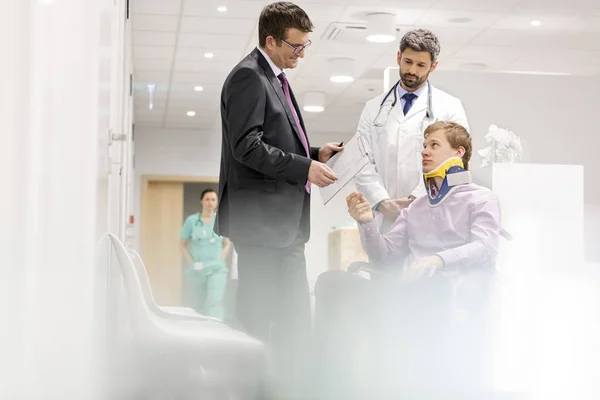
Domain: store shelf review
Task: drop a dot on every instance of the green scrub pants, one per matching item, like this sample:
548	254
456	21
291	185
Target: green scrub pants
205	288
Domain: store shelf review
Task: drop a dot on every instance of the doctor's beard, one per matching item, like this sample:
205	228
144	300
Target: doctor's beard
413	84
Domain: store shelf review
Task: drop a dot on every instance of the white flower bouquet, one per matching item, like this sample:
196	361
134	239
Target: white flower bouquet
503	147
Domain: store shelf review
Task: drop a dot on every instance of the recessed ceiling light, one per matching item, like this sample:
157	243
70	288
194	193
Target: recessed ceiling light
381	38
314	102
191	113
198	88
151	88
341	79
314	108
209	55
381	27
342	70
221	9
536	22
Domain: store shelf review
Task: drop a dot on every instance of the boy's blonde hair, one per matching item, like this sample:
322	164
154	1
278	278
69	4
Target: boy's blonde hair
457	136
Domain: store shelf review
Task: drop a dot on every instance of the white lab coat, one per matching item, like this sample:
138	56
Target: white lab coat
395	149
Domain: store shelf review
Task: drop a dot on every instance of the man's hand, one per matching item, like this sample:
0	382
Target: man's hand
320	174
426	265
328	150
391	208
359	208
429	262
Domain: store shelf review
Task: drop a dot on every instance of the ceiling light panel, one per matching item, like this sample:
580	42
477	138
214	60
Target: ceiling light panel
314	101
152	52
153	38
443	18
212	41
157	7
218	26
242	9
381	28
156	23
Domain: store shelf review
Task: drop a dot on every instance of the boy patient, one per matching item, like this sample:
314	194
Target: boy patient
446	243
456	226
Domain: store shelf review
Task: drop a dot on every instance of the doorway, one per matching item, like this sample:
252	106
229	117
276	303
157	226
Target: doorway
166	202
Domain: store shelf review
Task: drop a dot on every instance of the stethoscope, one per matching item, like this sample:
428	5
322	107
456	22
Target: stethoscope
204	234
387	101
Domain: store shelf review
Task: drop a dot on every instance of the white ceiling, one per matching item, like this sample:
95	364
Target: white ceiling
171	37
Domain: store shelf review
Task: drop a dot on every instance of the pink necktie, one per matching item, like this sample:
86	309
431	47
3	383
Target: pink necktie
286	90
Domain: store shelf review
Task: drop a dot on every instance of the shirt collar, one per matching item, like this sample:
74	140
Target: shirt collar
418	93
275	68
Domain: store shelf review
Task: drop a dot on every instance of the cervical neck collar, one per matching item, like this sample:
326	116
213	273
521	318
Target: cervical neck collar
453	174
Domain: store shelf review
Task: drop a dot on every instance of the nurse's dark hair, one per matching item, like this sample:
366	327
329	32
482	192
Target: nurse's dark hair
421	40
276	18
457	136
205	192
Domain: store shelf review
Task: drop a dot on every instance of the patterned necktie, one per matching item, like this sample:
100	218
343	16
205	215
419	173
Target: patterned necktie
286	90
408	101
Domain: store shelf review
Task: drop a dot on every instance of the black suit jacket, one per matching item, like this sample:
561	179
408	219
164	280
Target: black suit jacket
264	166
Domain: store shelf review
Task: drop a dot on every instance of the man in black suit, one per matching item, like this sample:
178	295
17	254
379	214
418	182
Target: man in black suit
267	171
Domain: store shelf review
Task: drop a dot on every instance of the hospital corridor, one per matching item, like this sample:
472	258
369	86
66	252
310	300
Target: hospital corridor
305	200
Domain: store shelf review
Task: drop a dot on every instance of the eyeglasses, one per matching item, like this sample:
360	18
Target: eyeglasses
297	47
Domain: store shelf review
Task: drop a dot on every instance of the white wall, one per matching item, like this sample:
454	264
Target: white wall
592	232
171	152
556	116
59	82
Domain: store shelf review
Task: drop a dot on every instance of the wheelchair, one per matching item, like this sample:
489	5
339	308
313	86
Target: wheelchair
380	337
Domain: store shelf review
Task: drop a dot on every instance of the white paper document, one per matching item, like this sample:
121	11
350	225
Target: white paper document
346	164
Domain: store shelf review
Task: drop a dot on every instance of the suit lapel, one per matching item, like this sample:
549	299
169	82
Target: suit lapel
276	85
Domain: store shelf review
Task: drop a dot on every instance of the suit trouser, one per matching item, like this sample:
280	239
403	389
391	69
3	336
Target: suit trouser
390	339
273	305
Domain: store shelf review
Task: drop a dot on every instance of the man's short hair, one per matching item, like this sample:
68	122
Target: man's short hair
276	18
457	136
421	40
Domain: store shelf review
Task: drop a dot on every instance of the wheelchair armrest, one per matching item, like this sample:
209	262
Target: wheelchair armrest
355	266
506	235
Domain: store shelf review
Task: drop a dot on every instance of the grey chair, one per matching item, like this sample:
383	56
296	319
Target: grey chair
183	356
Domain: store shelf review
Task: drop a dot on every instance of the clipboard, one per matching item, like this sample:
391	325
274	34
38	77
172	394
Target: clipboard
346	164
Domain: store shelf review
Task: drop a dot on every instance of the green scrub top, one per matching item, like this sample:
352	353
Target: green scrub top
203	243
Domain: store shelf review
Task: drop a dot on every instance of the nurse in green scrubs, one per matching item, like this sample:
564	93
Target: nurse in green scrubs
205	275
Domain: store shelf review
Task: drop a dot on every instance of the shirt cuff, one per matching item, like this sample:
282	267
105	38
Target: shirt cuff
370	228
375	197
450	259
377	204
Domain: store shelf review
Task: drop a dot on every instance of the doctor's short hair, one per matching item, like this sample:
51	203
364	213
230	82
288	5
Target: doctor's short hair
457	136
421	40
277	17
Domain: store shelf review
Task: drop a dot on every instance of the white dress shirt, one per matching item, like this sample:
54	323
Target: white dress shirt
276	70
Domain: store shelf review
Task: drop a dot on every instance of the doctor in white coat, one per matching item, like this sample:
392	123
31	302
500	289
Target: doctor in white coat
393	125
